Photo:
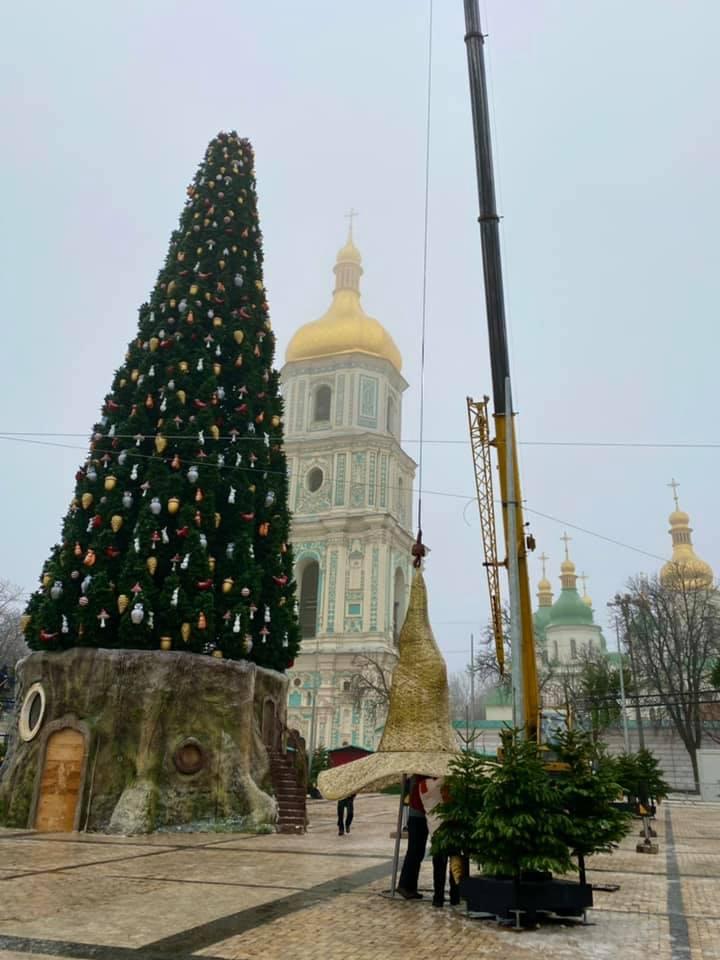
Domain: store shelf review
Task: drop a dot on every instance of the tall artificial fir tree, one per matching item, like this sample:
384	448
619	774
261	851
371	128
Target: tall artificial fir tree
178	532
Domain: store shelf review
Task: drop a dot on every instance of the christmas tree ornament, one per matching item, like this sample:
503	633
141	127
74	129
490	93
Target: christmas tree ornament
217	369
46	636
217	653
247	643
155	506
110	482
266	615
202	621
275	421
230	551
83	601
56	591
90	558
103	617
211	560
91	474
218	520
153	343
238	280
183	366
238	336
269	498
151	563
185	562
264	633
155	539
122	603
176	463
47	579
182	396
25	621
215	432
85	585
86	500
127	500
199	495
185	631
65	626
165	643
137	614
264	529
193	474
227	585
116	522
149	401
160	443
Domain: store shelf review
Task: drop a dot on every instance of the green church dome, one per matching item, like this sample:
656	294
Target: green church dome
541	618
569	610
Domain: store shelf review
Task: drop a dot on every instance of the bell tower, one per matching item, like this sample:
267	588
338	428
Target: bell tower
351	489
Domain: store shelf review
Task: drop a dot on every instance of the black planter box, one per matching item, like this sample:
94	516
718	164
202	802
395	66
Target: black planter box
510	899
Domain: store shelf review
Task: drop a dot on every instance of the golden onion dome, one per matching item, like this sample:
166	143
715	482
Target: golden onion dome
344	327
686	568
544	585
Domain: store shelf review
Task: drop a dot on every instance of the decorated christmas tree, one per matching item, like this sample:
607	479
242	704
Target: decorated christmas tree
177	536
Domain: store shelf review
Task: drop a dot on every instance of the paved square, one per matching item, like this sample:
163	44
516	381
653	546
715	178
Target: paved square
276	897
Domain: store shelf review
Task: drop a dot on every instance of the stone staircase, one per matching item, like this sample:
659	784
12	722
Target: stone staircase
292	814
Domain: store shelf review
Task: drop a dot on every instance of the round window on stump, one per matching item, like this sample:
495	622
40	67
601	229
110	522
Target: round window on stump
190	757
32	713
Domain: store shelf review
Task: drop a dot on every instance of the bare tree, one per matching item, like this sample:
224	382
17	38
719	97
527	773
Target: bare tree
12	642
370	684
459	692
589	690
672	628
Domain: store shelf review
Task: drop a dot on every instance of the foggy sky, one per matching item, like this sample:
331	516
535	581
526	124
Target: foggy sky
607	146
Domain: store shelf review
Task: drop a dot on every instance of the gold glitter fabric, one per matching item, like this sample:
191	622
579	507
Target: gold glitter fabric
418	737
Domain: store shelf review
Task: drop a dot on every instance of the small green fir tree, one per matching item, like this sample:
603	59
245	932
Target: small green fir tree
177	535
465	787
588	790
522	823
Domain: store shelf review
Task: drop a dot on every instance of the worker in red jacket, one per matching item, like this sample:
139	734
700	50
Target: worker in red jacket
417	840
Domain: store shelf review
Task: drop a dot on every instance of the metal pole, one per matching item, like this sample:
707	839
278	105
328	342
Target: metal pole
472	678
626	732
513	574
628	637
314	703
398	836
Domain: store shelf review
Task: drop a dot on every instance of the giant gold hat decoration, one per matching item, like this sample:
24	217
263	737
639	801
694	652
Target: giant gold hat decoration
418	737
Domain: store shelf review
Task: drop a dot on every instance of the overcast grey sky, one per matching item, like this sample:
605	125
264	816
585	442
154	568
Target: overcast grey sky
607	148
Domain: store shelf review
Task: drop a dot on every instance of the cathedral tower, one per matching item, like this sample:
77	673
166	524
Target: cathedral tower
351	497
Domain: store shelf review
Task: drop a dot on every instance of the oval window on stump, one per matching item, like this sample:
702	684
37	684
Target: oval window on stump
32	713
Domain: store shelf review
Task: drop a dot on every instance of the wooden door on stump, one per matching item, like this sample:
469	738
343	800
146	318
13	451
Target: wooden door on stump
60	785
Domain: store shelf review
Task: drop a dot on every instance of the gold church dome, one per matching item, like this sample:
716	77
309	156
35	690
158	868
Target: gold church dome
685	564
344	327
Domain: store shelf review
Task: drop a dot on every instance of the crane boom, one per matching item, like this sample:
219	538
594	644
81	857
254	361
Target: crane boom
480	443
522	633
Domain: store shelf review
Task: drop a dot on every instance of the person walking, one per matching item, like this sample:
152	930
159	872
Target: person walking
417	840
433	792
345	814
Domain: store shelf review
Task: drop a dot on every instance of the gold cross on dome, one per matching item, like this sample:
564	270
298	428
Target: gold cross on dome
350	216
674	484
543	558
566	540
584	579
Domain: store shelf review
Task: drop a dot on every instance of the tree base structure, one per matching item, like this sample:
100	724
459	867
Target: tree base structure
522	901
126	741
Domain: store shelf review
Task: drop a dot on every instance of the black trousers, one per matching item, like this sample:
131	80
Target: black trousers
417	839
345	807
440	862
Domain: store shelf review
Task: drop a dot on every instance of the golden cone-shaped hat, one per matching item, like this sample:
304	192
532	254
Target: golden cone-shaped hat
418	737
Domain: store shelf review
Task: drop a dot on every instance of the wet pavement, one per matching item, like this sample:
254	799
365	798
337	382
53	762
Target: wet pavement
94	897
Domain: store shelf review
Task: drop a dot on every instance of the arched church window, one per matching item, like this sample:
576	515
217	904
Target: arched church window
309	599
573	648
321	407
391	419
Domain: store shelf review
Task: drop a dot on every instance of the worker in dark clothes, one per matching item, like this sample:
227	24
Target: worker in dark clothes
345	813
417	840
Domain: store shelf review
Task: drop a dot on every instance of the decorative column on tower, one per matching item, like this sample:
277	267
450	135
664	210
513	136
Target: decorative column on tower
351	497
